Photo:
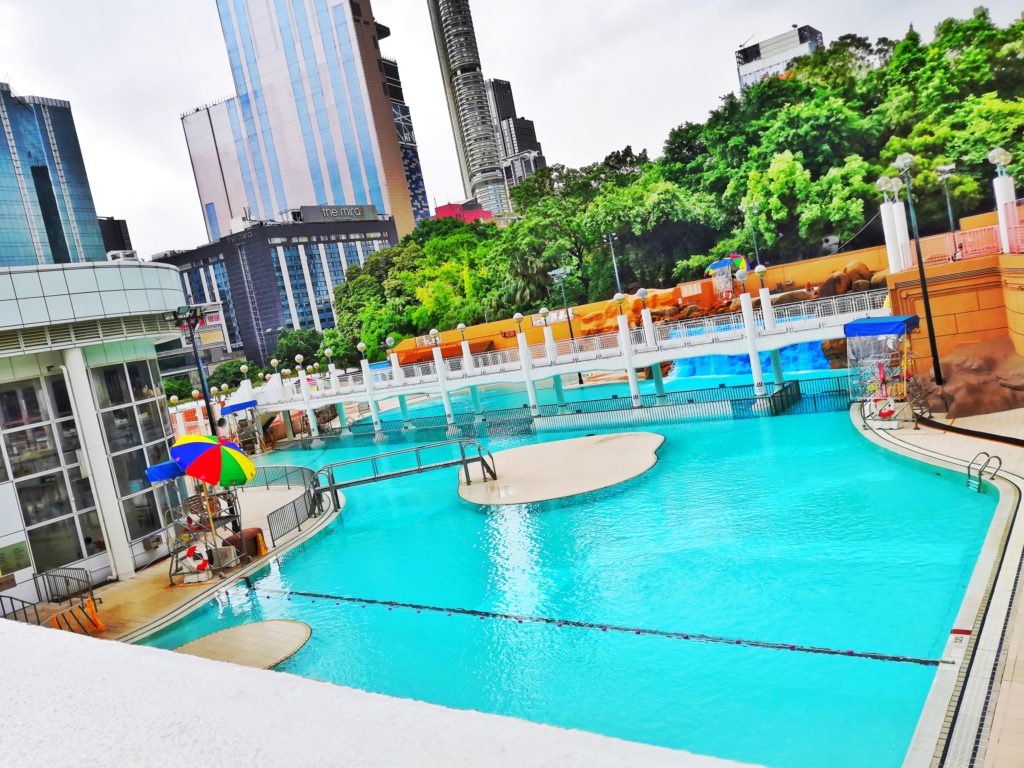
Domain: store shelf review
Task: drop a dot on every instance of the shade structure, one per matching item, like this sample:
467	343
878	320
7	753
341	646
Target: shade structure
164	471
236	407
897	325
734	261
204	458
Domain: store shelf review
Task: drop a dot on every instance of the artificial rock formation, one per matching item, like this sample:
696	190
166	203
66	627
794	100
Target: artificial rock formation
986	377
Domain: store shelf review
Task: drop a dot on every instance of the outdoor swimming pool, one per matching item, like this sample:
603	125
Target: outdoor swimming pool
793	530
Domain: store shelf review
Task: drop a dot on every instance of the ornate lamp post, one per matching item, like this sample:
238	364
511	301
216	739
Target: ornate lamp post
945	174
903	164
759	270
362	349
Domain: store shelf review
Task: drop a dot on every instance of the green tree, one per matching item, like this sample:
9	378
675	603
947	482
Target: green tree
178	387
298	342
229	373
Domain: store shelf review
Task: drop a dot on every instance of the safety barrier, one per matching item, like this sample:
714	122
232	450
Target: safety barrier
292	515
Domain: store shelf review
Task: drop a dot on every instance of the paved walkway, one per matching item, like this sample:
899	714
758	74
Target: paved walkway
563	468
261	644
1004	745
131	605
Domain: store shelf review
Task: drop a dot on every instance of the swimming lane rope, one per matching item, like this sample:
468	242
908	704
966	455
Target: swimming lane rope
696	637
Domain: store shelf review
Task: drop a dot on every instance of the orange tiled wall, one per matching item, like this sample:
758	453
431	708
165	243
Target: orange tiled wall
1012	270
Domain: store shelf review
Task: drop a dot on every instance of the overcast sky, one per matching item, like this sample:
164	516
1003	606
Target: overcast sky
594	76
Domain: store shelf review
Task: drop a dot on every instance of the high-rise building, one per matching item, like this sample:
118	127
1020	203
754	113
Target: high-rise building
407	141
521	153
115	235
476	141
47	214
311	123
771	57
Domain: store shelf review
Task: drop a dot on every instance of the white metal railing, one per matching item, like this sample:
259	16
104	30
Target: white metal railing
814	313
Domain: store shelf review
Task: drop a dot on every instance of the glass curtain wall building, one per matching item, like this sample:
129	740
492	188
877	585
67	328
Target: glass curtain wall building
475	140
311	122
407	141
47	215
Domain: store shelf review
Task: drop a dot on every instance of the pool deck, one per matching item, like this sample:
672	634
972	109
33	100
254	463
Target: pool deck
545	471
988	729
136	607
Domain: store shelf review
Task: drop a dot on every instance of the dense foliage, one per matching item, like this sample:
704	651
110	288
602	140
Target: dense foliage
178	387
790	161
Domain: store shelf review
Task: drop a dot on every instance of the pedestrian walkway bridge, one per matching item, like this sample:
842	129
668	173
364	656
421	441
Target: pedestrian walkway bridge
749	331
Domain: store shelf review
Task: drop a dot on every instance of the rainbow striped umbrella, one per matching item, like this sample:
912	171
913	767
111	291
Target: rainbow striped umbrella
205	458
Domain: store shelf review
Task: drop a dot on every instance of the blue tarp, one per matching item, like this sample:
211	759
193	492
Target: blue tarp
882	326
161	473
235	407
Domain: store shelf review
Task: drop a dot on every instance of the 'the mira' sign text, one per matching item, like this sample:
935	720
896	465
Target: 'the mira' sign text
321	213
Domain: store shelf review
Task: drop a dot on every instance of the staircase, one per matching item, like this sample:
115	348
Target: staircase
54	588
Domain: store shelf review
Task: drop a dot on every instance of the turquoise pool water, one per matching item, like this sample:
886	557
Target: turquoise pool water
792	530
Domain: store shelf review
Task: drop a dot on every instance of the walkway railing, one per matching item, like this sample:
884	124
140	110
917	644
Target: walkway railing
574	355
292	515
16	609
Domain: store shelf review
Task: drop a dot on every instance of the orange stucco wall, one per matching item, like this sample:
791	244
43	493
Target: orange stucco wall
980	220
967	300
1012	271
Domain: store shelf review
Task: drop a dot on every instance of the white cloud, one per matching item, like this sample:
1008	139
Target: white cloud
593	76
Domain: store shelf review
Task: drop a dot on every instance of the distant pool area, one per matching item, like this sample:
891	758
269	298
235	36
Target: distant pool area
791	530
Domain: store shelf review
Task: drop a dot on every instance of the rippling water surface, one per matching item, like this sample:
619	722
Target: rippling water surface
792	530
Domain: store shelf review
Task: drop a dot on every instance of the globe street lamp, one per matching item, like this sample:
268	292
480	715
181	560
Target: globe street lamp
642	295
435	337
945	174
903	164
362	349
518	318
760	270
544	311
1000	158
620	299
741	278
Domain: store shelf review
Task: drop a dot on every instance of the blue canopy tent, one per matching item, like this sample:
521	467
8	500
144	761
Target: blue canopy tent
882	326
161	473
235	407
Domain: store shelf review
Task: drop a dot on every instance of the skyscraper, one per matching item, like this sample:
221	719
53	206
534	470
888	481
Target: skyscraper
475	139
311	122
47	214
407	141
521	153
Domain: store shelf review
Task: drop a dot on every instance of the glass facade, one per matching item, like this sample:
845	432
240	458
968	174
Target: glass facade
41	442
138	434
326	136
47	215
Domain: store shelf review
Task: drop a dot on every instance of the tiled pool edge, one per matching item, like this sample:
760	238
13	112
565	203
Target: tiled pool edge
957	715
201	599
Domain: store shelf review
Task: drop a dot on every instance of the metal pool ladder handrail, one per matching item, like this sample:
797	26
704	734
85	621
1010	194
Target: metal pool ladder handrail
465	459
974	481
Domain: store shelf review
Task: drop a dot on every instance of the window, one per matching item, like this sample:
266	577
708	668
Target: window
67	434
121	429
141	515
60	401
32	451
81	489
92	533
130	473
111	386
43	498
141	382
22	404
55	545
150	421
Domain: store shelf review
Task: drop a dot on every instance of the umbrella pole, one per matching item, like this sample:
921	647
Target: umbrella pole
209	516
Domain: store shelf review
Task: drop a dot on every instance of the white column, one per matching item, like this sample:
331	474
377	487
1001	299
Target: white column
526	363
650	340
364	364
777	375
892	245
659	382
1006	206
442	383
467	358
899	210
179	421
767	310
549	344
556	382
314	428
403	405
332	373
478	408
747	307
289	430
627	357
95	452
396	369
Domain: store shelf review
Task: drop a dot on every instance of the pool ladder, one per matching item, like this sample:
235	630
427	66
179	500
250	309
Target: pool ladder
984	462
